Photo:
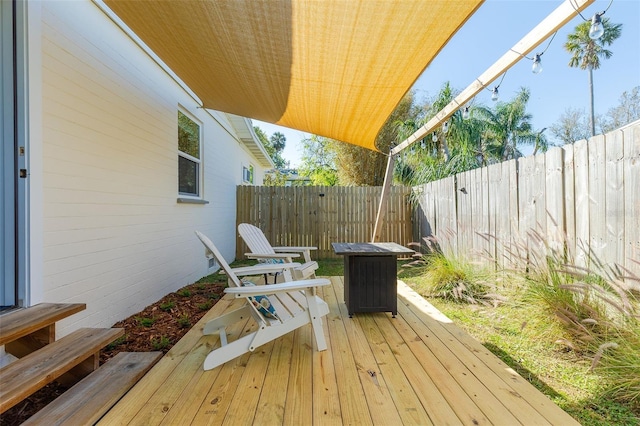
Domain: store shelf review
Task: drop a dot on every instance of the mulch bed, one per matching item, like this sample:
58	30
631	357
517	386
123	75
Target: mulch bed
157	328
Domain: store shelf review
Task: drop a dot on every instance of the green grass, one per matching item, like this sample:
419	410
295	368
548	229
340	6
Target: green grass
527	343
572	333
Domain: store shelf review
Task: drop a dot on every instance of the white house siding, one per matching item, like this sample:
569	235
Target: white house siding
114	235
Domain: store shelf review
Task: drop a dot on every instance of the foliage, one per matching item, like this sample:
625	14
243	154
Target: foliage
184	292
489	135
278	141
508	125
573	332
275	178
457	280
318	161
168	305
572	126
160	343
274	146
627	110
363	167
439	155
184	321
587	53
597	312
145	321
207	305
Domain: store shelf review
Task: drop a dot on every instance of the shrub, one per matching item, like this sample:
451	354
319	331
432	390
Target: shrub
184	292
168	305
205	306
160	343
184	321
457	280
145	321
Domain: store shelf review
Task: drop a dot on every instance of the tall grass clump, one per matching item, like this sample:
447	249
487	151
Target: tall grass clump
599	314
454	278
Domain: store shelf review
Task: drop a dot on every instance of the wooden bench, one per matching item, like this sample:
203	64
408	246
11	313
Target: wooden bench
87	401
26	330
76	354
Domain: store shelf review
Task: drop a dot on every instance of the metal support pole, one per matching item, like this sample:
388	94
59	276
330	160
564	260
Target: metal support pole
386	187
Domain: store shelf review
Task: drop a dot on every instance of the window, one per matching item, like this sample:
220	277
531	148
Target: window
188	156
247	174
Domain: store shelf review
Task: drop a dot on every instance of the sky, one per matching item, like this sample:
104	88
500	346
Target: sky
495	28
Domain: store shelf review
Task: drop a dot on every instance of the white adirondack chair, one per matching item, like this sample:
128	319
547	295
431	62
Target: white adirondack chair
277	308
262	251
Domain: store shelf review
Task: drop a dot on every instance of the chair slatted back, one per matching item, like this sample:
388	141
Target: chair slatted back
255	239
212	250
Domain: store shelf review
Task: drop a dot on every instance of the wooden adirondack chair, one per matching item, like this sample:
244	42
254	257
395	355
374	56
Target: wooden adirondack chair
262	251
277	308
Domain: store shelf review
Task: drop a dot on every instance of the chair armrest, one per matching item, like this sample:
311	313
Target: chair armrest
264	268
306	251
270	256
276	288
294	249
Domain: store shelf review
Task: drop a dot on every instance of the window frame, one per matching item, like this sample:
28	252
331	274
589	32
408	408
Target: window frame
250	169
197	161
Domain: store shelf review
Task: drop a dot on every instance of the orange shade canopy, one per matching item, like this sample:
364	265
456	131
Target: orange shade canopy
335	68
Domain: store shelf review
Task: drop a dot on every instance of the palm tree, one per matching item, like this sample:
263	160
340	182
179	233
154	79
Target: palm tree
278	140
507	126
586	53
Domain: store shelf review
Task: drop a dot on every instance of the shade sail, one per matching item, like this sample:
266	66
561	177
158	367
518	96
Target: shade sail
335	68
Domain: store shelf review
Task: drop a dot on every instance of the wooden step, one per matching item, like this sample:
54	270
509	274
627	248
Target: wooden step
26	330
77	354
93	396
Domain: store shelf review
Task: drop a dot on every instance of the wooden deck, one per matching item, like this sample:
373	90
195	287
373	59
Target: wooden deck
415	369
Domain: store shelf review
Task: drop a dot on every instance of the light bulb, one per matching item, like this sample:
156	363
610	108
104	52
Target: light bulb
445	127
422	145
597	29
465	113
494	94
434	137
537	64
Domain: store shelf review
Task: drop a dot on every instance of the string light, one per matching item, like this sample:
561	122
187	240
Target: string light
434	138
597	28
445	127
536	68
537	64
465	113
495	95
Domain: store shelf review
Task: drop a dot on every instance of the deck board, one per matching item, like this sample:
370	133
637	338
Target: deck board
417	368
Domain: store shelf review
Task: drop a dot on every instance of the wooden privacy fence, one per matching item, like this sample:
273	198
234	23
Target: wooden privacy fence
583	198
320	215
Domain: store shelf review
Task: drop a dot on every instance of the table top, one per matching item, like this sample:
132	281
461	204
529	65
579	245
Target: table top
370	249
